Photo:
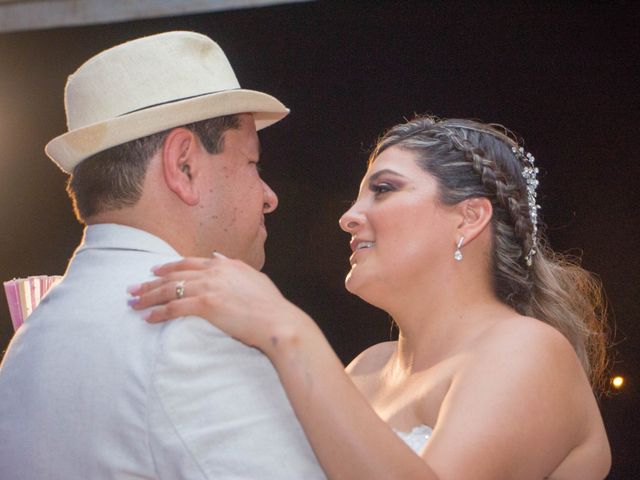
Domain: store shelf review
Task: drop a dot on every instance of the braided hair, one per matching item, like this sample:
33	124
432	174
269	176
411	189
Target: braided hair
470	159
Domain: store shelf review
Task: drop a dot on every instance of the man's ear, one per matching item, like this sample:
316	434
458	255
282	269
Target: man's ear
179	164
476	215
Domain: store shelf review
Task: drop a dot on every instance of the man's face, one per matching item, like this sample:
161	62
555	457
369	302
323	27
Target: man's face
234	199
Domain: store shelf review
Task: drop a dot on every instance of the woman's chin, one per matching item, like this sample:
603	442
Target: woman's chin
357	286
351	283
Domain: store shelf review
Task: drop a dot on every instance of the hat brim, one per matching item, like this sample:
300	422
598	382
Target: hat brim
69	149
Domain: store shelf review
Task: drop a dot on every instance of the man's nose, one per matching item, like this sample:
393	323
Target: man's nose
270	199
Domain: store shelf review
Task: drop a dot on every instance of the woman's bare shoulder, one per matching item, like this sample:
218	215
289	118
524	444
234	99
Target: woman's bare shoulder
529	338
528	352
371	360
522	388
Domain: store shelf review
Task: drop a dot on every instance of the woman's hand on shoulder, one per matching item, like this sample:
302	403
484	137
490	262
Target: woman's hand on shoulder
229	294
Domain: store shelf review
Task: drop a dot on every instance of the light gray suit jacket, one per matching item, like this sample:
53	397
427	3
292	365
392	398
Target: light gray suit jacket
89	390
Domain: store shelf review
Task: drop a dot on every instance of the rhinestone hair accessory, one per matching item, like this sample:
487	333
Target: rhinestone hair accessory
530	173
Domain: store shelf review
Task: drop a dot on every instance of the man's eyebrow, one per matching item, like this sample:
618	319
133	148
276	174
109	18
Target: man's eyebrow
384	171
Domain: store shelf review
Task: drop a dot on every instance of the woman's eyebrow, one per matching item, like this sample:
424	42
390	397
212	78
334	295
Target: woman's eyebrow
384	171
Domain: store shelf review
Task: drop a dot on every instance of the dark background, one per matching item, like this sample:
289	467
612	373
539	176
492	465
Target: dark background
563	75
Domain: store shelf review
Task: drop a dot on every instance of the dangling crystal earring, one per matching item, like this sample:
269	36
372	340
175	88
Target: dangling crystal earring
458	254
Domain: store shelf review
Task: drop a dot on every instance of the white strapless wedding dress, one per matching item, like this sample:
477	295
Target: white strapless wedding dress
417	437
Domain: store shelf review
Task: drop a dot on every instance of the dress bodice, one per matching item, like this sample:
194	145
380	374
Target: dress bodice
417	437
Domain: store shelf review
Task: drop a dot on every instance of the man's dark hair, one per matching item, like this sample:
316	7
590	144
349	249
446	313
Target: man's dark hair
113	179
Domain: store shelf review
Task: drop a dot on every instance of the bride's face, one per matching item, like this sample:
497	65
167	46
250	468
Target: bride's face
400	232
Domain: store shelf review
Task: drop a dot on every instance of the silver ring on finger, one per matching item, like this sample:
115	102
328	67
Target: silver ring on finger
180	289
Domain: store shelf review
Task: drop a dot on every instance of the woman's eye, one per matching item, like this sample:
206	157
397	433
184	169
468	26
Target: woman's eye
382	187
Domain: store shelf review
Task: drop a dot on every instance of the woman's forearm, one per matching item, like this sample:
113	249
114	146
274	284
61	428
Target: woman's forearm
349	438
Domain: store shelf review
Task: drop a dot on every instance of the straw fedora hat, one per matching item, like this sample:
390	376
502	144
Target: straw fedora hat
148	85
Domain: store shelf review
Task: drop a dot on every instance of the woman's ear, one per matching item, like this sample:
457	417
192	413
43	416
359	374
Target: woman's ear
179	164
476	215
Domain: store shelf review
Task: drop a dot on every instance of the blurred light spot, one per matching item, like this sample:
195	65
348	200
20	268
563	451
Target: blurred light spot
617	382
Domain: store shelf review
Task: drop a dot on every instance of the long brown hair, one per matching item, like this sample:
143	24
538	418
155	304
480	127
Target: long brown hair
472	159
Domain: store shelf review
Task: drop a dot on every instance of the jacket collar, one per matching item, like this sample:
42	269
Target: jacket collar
122	237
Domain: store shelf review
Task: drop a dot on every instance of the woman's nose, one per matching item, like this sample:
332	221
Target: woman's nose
351	220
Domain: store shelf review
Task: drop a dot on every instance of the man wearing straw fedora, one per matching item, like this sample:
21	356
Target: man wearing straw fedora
162	154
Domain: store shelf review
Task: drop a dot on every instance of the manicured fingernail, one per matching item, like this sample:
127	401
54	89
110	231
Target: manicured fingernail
133	289
218	254
155	268
146	315
133	301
